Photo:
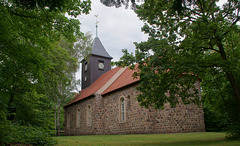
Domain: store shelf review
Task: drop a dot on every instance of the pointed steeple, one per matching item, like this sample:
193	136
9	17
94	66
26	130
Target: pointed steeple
99	62
98	49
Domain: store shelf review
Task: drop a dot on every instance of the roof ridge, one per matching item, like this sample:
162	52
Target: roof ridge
111	80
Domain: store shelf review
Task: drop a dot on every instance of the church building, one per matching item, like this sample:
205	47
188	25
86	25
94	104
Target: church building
107	104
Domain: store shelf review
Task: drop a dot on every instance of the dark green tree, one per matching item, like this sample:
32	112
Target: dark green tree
119	3
34	63
188	39
220	107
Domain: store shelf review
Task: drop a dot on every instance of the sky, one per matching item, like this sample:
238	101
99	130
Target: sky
118	28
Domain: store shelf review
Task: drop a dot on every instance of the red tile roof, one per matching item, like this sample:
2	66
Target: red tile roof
123	80
95	86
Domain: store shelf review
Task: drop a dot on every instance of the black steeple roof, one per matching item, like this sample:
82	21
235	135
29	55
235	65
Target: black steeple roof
98	49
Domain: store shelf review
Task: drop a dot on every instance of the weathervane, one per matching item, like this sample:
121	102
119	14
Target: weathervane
96	24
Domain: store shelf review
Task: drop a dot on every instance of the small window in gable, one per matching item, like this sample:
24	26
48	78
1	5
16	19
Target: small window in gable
78	118
122	110
89	120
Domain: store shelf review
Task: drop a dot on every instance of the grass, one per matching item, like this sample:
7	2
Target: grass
191	139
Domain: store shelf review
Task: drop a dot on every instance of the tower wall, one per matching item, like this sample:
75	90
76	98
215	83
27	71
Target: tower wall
93	71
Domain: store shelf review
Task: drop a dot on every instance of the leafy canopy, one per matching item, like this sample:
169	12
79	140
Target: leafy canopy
37	58
119	3
187	41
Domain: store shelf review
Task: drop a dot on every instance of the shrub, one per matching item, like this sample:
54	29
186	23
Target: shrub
27	134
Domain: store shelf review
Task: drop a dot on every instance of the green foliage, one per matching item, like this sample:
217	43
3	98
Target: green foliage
84	47
221	108
33	121
37	63
188	40
72	7
119	3
215	121
27	134
126	60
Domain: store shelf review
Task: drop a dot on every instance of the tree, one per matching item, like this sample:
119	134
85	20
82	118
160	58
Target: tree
33	61
188	39
119	3
221	108
65	81
84	47
61	77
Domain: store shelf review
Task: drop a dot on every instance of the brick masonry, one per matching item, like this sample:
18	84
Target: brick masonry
105	116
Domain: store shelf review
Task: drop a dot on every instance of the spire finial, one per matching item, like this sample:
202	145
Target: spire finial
96	25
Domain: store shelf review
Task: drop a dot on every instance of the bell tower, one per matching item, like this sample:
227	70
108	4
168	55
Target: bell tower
98	63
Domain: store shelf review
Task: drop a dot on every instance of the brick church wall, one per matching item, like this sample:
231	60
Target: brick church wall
106	116
84	128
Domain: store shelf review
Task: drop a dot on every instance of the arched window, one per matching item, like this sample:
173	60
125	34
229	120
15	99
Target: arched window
78	118
122	110
89	120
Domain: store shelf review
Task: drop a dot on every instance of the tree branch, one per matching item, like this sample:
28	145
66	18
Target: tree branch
193	12
201	7
210	7
238	18
204	48
21	15
227	13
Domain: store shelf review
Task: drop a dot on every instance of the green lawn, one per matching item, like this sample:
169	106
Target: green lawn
205	138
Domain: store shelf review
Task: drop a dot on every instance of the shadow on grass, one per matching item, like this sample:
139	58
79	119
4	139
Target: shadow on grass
215	142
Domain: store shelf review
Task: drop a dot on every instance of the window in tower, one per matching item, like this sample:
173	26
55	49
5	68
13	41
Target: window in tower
86	67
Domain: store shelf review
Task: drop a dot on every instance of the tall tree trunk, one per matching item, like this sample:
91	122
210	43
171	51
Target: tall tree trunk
55	118
58	117
11	109
230	77
235	86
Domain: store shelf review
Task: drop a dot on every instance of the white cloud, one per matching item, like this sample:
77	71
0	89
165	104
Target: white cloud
118	28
